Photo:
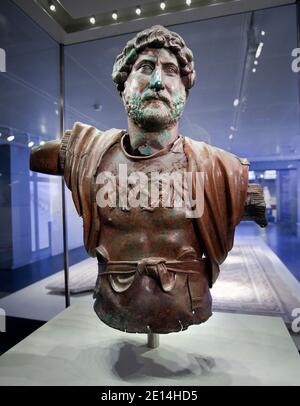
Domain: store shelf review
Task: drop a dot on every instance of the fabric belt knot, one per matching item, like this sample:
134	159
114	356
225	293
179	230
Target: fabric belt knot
151	266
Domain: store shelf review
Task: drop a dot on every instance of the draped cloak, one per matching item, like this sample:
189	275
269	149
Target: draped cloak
225	187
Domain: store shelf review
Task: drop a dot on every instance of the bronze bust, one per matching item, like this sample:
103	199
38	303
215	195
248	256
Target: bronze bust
156	263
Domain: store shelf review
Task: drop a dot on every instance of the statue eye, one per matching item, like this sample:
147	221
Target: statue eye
146	67
171	69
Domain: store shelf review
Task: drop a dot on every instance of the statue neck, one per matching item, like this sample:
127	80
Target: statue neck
148	142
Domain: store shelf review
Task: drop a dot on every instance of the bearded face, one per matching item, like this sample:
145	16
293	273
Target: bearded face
154	95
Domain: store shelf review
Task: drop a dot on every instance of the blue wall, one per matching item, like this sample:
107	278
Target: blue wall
29	96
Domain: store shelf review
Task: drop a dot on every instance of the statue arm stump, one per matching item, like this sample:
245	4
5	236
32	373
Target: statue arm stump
255	206
45	158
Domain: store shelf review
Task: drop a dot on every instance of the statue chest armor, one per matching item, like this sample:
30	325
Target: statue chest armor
139	222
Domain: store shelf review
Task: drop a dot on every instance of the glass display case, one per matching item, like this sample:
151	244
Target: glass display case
245	101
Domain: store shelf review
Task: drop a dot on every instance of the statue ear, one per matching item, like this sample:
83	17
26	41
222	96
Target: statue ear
121	92
122	96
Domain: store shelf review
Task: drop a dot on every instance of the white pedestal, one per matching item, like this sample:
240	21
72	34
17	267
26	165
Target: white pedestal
75	348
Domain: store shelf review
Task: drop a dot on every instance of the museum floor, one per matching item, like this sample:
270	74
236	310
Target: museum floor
285	245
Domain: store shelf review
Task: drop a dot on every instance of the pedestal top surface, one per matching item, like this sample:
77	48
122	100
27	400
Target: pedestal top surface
75	348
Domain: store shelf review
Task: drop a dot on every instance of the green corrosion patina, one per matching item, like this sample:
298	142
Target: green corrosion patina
178	105
134	108
131	57
163	136
146	150
115	320
155	81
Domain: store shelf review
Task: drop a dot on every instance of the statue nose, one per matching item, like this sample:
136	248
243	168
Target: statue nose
156	82
158	85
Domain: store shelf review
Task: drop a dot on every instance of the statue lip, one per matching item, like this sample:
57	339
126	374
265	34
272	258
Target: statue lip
156	97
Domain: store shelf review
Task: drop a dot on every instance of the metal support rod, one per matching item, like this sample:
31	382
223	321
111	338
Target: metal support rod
246	58
63	195
153	340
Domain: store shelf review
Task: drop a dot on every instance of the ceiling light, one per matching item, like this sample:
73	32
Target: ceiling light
30	144
236	102
259	49
115	15
263	33
10	138
188	2
138	10
230	136
162	5
254	70
93	20
255	62
0	134
42	143
52	6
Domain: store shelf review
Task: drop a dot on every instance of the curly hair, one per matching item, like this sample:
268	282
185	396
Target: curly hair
154	37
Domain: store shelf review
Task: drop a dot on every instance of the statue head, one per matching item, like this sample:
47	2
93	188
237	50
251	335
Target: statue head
153	74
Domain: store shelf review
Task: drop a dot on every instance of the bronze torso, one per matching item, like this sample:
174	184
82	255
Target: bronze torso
139	302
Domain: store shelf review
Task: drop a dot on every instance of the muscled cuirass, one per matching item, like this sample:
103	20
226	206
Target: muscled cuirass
152	277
